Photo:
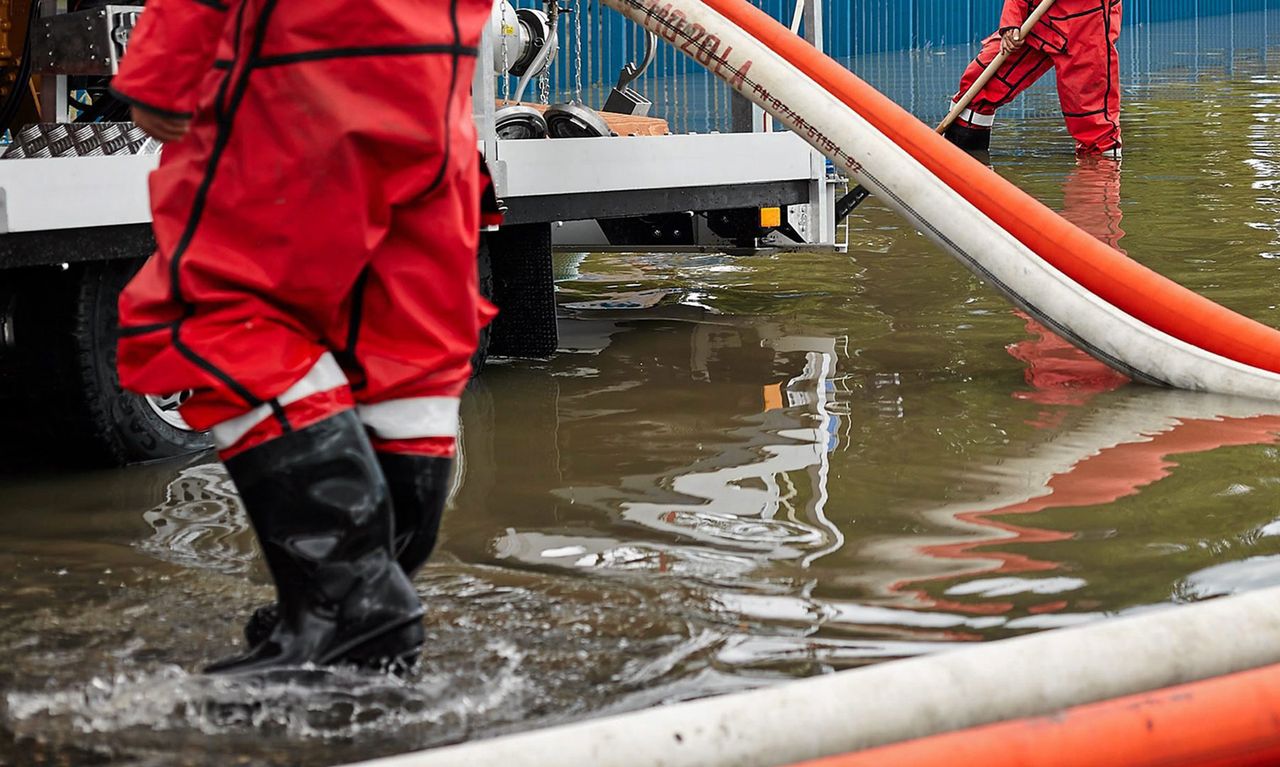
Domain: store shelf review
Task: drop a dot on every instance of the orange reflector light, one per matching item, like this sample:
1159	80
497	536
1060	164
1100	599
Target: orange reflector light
771	217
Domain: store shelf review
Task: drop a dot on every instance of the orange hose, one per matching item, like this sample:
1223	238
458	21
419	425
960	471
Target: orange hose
1125	284
1229	721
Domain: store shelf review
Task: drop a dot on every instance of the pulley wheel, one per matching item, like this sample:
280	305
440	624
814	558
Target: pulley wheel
537	29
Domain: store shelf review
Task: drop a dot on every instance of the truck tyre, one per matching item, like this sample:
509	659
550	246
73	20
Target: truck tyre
64	334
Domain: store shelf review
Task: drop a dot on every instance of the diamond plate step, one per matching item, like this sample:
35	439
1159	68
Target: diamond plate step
79	140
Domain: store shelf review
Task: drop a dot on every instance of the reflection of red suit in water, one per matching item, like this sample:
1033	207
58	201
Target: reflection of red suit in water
1060	373
1077	38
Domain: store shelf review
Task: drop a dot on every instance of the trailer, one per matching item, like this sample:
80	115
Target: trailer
74	212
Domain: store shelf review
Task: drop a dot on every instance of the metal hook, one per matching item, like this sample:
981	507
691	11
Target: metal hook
631	70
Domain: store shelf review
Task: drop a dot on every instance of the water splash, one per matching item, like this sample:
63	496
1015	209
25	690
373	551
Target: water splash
308	702
504	651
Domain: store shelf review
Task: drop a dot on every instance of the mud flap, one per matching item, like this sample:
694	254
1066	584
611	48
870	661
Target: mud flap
524	292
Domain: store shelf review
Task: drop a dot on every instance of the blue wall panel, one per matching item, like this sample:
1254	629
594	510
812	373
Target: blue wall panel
909	48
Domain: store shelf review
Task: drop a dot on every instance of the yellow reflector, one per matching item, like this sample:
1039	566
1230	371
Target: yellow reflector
771	217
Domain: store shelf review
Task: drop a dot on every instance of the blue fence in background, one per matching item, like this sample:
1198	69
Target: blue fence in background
856	27
913	50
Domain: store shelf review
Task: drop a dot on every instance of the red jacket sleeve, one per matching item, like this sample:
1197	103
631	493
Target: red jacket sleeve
170	51
1015	13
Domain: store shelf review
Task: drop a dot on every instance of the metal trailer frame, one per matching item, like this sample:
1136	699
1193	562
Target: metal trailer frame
90	215
541	181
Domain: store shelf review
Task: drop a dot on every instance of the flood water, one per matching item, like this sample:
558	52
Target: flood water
738	470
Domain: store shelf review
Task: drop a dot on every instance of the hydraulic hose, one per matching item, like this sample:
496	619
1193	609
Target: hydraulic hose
9	109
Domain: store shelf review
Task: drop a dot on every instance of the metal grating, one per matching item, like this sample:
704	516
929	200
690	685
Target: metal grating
79	140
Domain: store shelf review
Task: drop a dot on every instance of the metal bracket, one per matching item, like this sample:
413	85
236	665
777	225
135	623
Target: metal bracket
88	42
851	200
624	99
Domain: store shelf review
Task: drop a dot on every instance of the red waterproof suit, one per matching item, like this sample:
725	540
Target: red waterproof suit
1077	38
317	227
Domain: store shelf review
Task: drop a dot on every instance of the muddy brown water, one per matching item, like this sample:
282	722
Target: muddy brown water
738	470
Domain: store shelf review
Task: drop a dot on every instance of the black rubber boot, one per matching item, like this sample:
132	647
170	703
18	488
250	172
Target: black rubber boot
969	139
322	512
419	488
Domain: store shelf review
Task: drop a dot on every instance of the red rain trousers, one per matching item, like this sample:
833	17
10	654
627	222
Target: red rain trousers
1078	39
317	227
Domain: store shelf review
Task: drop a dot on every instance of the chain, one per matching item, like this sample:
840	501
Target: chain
663	53
577	51
506	64
593	19
544	77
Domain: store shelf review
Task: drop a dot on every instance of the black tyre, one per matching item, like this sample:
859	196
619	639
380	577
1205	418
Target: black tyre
64	324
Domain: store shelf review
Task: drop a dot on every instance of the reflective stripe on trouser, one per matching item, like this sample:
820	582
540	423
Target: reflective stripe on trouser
1088	74
418	425
972	119
320	393
411	418
426	426
323	392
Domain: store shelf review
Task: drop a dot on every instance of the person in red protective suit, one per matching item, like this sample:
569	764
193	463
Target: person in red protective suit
1078	39
316	215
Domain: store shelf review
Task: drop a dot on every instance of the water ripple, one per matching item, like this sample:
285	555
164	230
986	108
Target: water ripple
201	523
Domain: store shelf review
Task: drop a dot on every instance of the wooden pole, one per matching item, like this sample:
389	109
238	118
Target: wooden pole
992	68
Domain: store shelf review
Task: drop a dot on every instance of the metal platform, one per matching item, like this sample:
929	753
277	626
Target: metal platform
540	180
578	179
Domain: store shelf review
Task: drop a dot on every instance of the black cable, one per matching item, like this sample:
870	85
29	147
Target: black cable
105	108
118	113
9	110
100	100
93	112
